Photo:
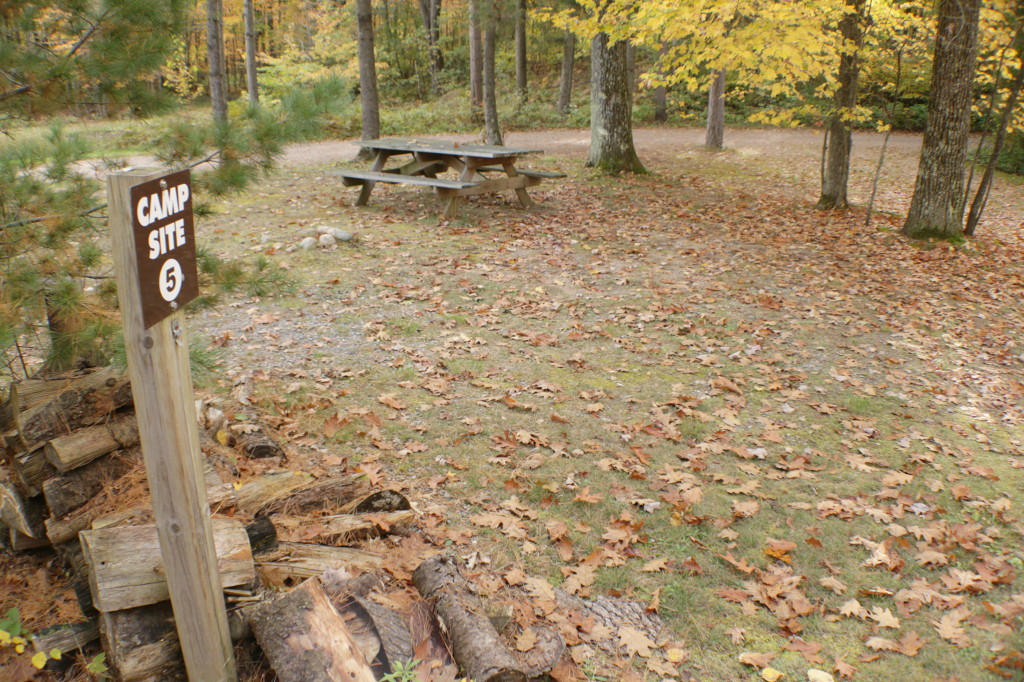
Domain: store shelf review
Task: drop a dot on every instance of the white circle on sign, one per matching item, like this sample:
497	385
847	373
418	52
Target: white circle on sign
171	279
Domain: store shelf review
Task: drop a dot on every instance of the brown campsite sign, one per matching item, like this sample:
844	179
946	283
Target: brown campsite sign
165	248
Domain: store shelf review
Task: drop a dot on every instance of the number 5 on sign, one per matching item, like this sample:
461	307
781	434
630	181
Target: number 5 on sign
165	249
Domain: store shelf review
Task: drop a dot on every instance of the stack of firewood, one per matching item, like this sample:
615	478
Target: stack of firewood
74	481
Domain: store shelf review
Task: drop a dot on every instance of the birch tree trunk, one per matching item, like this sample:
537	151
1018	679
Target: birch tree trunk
568	62
215	59
611	109
714	137
251	80
835	181
367	72
936	209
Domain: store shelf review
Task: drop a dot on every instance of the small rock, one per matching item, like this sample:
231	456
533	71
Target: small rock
307	244
324	229
264	238
342	235
327	240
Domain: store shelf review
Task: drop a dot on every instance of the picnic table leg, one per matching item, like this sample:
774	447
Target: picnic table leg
524	198
367	188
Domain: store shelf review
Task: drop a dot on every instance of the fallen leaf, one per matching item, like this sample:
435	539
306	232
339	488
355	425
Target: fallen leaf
756	660
771	675
635	642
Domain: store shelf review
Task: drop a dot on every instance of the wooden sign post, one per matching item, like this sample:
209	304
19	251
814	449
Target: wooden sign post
154	258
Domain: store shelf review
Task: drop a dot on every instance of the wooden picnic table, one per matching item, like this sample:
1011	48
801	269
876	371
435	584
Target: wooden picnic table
473	162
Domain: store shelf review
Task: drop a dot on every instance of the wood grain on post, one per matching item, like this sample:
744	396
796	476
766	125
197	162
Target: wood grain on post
158	365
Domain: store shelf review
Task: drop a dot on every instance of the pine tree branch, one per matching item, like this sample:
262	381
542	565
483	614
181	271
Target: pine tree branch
88	34
41	218
14	92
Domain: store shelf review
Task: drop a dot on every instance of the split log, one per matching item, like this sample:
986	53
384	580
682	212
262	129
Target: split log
82	402
476	646
126	569
296	491
395	638
305	639
30	392
350	527
142	643
30	470
296	561
20	514
67	638
22	543
77	449
68	492
258	444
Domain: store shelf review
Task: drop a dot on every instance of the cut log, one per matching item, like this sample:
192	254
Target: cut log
351	527
77	449
262	535
126	569
20	514
142	643
394	635
258	444
73	560
67	638
85	401
293	562
379	501
305	639
30	392
296	491
30	470
68	492
22	543
101	512
476	646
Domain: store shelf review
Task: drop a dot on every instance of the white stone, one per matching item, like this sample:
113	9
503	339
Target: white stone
307	244
324	229
327	240
342	235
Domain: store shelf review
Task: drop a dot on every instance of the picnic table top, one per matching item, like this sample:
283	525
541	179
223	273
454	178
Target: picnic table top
485	151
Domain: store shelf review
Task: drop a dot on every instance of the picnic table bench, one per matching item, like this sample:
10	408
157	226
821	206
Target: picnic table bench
431	157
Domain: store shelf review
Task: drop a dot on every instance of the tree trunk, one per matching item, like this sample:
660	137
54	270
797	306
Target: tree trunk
215	59
981	197
714	137
611	109
430	10
565	82
936	209
367	74
492	131
836	177
476	57
251	81
520	30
